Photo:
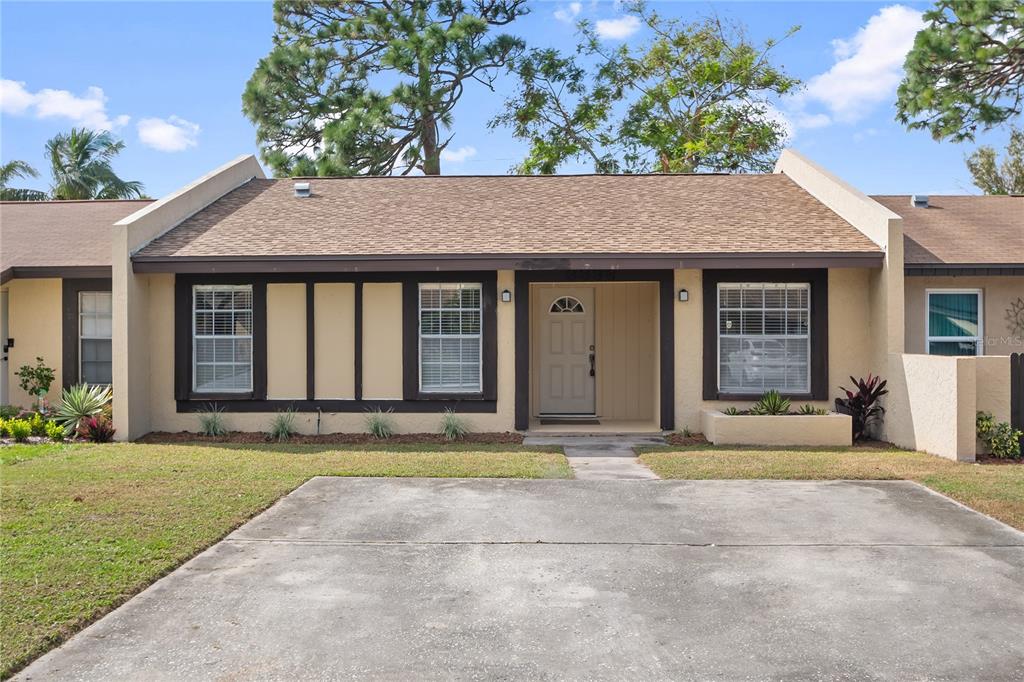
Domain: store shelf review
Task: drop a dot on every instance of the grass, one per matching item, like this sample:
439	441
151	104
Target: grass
996	490
84	527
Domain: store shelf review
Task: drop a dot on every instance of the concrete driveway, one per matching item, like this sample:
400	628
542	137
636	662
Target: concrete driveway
411	579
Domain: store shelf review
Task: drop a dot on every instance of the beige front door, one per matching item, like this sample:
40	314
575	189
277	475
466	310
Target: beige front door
566	354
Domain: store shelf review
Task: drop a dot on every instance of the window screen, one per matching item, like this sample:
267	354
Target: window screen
450	338
222	339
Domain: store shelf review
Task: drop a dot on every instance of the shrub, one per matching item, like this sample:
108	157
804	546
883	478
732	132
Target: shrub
1003	440
4	432
211	422
37	424
771	402
283	426
35	380
81	402
811	409
20	429
731	411
378	423
54	431
9	411
97	429
453	426
863	406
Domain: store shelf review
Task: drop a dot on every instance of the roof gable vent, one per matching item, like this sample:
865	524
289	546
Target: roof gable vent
919	200
303	190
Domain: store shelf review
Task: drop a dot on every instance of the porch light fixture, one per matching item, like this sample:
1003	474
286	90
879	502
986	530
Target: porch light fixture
684	295
506	296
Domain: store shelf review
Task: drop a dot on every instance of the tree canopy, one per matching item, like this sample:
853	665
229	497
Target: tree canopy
80	162
966	69
993	177
369	86
18	169
696	97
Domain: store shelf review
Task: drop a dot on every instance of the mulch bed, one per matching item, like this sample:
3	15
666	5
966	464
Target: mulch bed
989	459
507	438
676	438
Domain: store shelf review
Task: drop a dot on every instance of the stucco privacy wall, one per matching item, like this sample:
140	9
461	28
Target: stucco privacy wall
851	343
132	341
34	321
935	399
165	417
286	341
1001	297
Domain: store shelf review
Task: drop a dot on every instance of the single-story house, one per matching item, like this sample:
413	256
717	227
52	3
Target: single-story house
55	299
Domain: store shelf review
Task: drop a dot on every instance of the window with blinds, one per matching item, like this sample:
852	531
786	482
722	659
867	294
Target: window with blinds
222	339
764	337
954	323
94	337
450	338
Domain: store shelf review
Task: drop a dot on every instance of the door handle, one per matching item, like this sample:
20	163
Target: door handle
592	372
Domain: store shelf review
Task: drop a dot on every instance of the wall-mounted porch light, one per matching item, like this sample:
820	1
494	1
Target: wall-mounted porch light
684	295
506	296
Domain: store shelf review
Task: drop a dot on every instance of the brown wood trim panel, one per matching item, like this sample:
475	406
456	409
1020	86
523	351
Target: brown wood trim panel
358	341
51	271
228	404
70	289
818	279
310	343
666	341
950	270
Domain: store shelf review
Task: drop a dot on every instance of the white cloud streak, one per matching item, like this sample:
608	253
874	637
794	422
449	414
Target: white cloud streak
88	110
617	29
569	13
458	155
173	134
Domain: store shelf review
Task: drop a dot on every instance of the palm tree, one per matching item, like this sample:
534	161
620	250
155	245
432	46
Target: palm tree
18	169
80	163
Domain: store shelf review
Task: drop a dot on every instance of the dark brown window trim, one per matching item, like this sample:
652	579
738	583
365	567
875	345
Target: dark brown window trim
310	343
666	323
411	335
358	350
70	289
966	270
818	279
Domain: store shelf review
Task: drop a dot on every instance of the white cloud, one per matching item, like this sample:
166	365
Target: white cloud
88	110
568	14
458	155
173	134
868	66
618	29
804	120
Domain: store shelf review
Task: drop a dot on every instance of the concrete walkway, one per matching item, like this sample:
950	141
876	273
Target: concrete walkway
602	458
423	579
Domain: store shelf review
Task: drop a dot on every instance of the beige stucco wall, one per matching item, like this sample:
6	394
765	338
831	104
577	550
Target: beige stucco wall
382	341
334	341
164	416
998	295
800	430
286	341
35	323
626	343
851	342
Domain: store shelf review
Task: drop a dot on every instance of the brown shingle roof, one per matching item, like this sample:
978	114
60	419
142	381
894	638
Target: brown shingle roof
462	215
961	229
59	233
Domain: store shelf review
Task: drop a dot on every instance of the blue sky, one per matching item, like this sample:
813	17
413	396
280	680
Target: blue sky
168	78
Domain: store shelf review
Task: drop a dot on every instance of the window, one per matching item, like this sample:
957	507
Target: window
954	322
450	338
94	337
566	304
222	339
764	339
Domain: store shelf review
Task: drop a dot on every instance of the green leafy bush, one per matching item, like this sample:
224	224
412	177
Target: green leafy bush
54	431
811	409
771	402
282	427
20	429
378	423
731	411
4	431
80	402
35	380
9	411
453	426
211	422
98	429
1003	440
37	424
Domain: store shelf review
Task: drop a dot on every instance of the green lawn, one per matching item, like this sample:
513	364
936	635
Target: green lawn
996	490
84	527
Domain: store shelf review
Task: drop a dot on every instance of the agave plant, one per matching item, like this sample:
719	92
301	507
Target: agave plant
862	405
80	403
771	402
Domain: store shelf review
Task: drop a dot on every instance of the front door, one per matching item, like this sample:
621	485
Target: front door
566	355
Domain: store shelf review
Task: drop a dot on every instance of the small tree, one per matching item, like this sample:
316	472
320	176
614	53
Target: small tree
966	69
36	380
993	177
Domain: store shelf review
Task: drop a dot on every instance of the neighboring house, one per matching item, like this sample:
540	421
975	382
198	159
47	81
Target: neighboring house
55	299
964	265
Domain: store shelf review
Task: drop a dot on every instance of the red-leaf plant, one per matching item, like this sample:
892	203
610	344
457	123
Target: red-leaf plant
863	405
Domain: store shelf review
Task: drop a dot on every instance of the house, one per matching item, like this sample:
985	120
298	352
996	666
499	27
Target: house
55	299
964	266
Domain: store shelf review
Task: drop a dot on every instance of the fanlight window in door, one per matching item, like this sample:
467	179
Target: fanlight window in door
566	304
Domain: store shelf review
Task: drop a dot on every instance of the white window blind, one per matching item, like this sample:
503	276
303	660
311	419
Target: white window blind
450	338
222	339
